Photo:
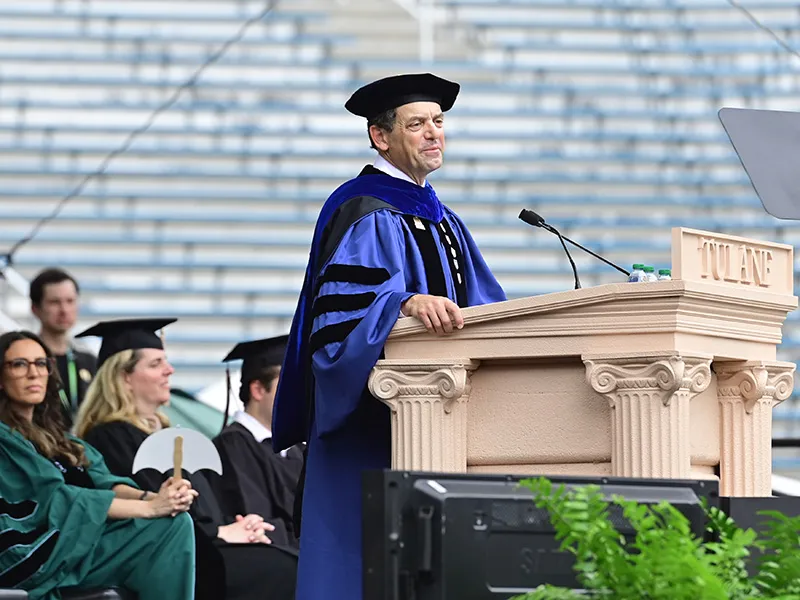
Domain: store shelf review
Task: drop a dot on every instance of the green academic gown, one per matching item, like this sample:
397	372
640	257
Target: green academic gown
54	535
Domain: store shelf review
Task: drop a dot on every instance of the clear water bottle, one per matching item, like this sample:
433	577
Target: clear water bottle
665	274
650	273
637	274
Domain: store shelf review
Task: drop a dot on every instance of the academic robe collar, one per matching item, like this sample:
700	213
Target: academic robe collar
384	165
291	413
407	197
252	425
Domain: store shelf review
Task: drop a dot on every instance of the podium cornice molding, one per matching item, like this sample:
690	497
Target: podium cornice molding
685	298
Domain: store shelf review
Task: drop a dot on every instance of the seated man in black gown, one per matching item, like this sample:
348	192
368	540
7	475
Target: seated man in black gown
255	478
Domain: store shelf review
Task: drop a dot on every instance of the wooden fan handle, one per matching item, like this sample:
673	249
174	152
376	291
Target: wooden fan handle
177	458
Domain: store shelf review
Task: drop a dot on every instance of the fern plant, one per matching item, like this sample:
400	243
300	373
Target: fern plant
664	560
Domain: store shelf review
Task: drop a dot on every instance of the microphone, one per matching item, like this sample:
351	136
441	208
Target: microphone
531	218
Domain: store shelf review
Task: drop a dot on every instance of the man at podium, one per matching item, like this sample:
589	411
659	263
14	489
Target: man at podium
384	247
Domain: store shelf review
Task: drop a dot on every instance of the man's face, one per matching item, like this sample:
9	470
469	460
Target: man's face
263	398
416	143
269	398
59	308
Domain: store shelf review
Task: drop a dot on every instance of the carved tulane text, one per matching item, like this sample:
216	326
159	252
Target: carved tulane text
736	263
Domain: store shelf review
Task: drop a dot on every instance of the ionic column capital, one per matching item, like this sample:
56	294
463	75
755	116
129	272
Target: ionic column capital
428	400
439	381
754	381
664	374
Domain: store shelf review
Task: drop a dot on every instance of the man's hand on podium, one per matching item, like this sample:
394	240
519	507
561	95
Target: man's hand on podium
439	315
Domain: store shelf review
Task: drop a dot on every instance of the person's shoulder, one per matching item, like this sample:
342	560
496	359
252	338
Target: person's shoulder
357	207
363	209
226	431
355	197
8	435
450	212
358	216
112	425
232	431
454	220
111	429
84	358
88	444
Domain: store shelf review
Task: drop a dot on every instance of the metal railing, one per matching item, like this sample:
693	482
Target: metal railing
428	16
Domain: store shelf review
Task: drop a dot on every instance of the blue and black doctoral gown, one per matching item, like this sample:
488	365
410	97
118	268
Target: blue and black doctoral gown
378	241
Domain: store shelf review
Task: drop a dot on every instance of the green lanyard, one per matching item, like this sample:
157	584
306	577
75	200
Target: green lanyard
71	403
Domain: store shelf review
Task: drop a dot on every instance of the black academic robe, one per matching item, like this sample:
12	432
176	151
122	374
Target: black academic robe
256	479
251	571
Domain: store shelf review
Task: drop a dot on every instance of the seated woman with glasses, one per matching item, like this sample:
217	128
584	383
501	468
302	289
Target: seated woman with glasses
119	412
65	520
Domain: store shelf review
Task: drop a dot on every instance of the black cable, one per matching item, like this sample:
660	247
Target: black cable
754	20
552	229
106	162
786	442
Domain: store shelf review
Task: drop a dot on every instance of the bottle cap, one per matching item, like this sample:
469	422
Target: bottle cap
664	272
638	267
649	269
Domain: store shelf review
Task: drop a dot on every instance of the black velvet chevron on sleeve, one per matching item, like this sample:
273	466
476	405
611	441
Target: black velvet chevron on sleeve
353	274
340	273
332	333
17	510
12	537
29	565
342	303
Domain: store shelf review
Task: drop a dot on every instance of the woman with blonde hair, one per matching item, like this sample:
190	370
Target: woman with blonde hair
119	412
112	400
66	521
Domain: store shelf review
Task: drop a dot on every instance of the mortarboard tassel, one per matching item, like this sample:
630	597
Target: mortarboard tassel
227	396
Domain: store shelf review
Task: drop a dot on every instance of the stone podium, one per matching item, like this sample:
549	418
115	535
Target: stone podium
672	379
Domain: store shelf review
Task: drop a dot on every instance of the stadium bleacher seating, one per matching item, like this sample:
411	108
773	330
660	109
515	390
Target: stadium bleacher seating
600	115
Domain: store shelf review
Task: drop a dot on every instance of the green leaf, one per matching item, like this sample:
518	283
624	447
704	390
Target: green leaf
548	592
664	559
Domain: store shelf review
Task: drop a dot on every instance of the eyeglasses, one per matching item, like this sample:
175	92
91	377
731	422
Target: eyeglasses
20	367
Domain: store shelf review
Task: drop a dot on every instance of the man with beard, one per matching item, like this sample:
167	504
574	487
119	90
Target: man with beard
55	296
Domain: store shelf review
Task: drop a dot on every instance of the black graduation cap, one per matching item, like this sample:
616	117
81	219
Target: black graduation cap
126	334
258	354
391	92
